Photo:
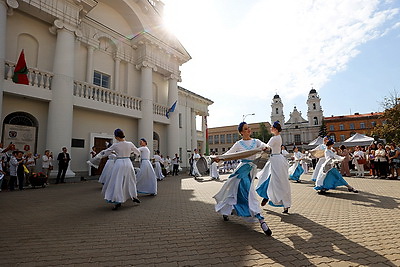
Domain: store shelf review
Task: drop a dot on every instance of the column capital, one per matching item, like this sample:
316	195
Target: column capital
146	64
173	76
59	25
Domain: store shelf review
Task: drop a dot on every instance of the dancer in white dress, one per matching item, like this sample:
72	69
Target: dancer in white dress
196	158
329	177
146	177
106	172
238	194
296	170
157	163
273	183
320	160
168	165
122	183
214	170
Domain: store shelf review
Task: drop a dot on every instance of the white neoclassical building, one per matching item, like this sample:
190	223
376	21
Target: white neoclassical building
297	130
94	66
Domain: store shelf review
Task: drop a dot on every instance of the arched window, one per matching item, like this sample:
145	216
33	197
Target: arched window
277	111
315	121
314	106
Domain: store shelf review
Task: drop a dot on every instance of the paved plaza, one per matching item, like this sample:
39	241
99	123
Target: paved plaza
70	224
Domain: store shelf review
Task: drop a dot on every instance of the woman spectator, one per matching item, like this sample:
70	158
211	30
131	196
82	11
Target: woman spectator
344	168
47	162
359	160
393	161
371	159
381	162
30	164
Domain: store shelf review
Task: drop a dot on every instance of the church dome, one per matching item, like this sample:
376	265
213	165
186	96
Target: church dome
313	91
276	96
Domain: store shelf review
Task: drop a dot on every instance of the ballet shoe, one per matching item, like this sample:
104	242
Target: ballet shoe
267	232
285	210
136	200
226	218
353	190
264	201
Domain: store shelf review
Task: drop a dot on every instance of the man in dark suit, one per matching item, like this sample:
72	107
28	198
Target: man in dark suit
63	161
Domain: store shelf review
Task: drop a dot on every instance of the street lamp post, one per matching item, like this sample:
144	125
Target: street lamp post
251	114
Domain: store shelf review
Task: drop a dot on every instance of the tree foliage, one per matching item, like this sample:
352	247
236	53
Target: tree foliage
323	131
263	134
390	129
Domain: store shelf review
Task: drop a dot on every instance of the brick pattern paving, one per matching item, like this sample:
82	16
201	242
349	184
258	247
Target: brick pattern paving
70	224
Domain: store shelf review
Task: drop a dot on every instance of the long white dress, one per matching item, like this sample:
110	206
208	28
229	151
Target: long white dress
319	163
296	170
214	170
146	177
273	182
122	183
326	167
195	171
157	169
238	193
106	172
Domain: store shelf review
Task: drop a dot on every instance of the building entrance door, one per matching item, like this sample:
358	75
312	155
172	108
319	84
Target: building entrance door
101	144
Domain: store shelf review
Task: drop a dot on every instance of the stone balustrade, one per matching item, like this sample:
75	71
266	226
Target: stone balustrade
36	77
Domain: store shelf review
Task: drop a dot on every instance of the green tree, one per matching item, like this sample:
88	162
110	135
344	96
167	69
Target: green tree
264	134
323	131
390	129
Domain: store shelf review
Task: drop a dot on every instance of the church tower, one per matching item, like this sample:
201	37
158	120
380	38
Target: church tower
277	110
314	113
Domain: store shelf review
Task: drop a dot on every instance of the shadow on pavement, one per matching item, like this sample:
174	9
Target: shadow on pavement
326	239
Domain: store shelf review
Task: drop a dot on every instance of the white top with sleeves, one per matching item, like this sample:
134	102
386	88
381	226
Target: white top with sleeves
298	155
243	145
275	143
46	162
144	153
122	149
157	158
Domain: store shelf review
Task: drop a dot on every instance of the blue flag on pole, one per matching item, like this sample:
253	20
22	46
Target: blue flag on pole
171	109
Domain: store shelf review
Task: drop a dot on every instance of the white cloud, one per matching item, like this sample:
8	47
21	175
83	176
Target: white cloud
278	46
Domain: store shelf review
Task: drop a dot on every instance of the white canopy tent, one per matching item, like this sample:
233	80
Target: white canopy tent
316	142
358	140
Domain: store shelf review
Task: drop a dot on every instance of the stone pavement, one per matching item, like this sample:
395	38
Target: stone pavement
70	224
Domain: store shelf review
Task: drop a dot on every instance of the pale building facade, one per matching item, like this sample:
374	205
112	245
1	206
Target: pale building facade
94	66
297	130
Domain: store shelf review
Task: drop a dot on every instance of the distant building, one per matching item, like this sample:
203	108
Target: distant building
340	128
221	139
297	130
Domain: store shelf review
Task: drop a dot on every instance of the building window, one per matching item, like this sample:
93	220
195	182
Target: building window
210	139
342	138
180	120
351	126
216	150
216	139
223	149
373	123
276	111
331	128
341	127
315	121
332	137
101	79
235	137
314	106
362	125
297	138
222	139
229	138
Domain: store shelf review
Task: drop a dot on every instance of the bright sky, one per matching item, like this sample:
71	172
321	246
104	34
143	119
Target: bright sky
245	51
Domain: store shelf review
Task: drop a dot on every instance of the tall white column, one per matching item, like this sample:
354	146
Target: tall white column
60	114
89	64
3	23
194	130
146	93
117	63
173	127
203	129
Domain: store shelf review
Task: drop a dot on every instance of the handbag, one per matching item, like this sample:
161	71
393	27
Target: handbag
25	169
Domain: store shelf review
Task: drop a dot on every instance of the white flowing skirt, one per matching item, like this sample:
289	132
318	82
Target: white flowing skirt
158	171
146	178
122	183
195	171
274	178
317	169
106	173
214	170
